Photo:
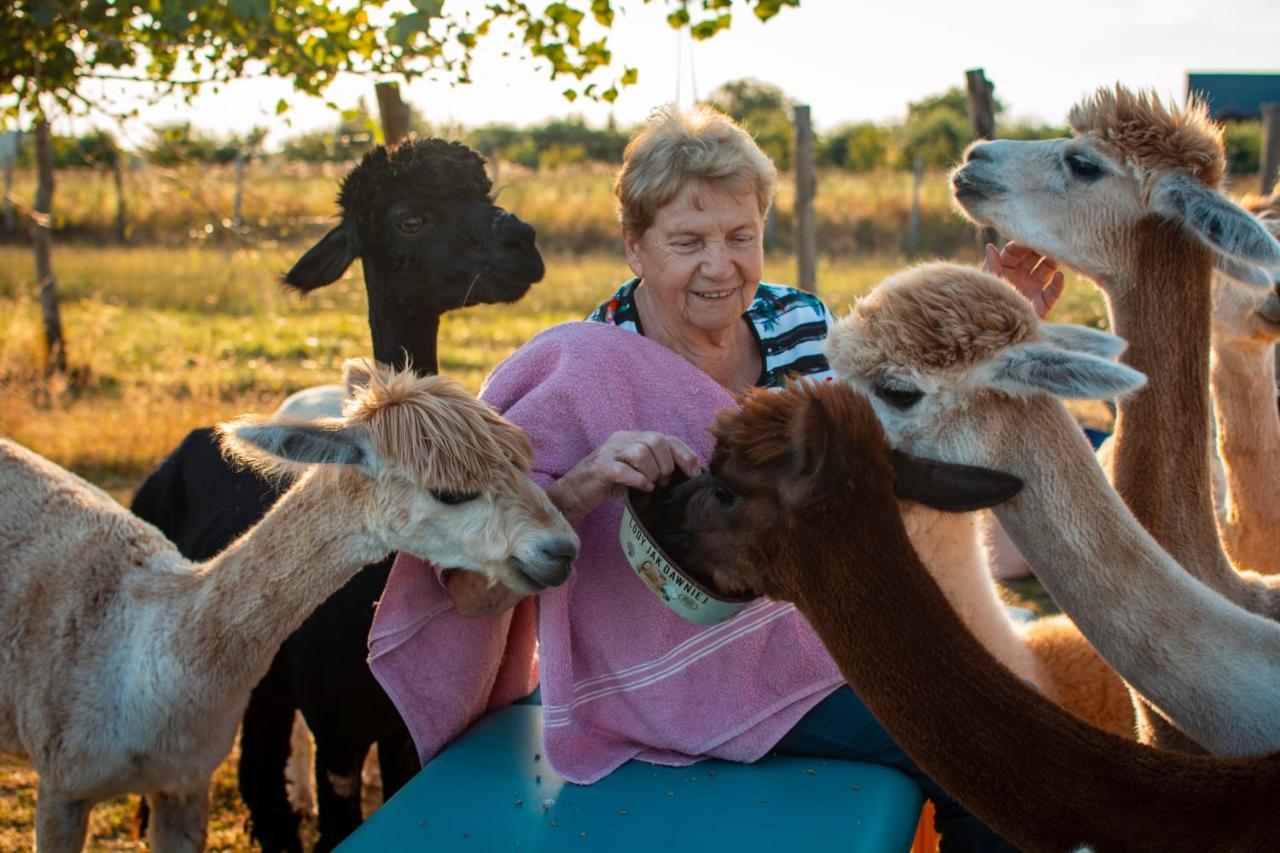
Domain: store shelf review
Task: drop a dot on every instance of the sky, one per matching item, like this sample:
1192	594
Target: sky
848	60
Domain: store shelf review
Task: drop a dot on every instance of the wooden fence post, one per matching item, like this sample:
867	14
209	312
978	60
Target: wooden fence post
806	235
982	117
1270	145
913	219
10	141
393	111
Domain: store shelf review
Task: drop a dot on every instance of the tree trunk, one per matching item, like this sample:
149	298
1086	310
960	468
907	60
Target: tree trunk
394	112
55	349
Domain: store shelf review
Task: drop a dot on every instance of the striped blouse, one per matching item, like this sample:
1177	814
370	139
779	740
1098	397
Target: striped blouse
789	325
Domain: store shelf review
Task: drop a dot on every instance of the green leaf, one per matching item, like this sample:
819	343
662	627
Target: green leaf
430	8
406	27
570	95
629	76
678	18
282	106
602	11
610	95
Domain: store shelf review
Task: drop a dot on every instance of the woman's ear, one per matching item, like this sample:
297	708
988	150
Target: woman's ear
632	244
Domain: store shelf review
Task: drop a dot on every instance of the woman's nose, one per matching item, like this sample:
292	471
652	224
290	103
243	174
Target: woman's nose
717	263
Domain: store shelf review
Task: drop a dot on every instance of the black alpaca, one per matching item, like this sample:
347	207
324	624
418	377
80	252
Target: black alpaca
430	239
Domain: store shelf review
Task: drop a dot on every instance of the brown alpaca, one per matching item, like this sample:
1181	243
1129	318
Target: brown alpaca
1132	201
959	368
126	668
798	505
1246	327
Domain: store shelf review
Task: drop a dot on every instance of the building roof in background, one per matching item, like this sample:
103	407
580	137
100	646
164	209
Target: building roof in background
1235	96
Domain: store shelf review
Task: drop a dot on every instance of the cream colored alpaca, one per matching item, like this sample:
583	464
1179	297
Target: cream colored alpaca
1132	201
126	668
1246	328
959	369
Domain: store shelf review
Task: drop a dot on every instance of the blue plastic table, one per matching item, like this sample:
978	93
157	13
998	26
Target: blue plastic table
493	790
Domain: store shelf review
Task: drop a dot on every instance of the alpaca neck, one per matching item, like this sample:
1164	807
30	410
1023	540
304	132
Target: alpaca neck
950	546
403	333
1039	776
1162	441
1244	402
256	592
1163	631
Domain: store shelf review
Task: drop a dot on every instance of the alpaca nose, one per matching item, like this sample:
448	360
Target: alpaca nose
554	559
512	232
977	152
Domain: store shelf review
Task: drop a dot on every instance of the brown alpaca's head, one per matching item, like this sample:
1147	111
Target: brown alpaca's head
1131	159
434	472
798	465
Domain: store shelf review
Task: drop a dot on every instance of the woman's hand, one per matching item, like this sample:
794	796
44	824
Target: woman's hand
636	459
1032	274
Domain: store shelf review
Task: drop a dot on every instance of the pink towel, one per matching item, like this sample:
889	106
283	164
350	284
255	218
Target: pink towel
622	676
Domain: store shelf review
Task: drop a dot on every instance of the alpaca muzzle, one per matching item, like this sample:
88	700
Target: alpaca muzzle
670	584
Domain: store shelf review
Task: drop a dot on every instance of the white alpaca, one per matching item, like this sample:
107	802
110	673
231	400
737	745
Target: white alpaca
126	668
1132	201
959	369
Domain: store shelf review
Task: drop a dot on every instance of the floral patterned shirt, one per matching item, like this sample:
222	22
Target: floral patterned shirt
789	325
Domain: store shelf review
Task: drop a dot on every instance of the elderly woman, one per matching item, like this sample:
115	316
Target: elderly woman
624	401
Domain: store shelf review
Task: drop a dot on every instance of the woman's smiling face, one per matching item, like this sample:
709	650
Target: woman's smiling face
702	257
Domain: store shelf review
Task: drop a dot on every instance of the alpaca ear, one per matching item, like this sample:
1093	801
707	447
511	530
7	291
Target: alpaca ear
948	487
275	448
1038	368
357	373
1225	226
1250	274
1070	336
324	262
815	453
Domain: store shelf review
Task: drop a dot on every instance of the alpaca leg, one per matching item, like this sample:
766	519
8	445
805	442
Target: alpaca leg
338	789
264	751
397	760
179	821
61	823
299	772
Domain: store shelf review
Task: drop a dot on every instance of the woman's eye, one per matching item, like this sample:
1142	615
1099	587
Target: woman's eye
899	396
1082	167
413	224
454	498
723	494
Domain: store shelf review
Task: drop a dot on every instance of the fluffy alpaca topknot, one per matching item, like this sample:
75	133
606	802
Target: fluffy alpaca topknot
456	173
436	431
939	315
1151	137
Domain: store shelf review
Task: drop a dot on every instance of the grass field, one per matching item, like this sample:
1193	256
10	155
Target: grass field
164	338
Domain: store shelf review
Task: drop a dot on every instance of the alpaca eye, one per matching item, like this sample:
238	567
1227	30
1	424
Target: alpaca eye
723	494
900	396
1083	168
412	224
454	498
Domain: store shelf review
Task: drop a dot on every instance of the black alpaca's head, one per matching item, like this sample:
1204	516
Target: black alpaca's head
420	218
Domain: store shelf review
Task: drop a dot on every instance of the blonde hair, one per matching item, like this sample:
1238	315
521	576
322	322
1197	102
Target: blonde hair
678	148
